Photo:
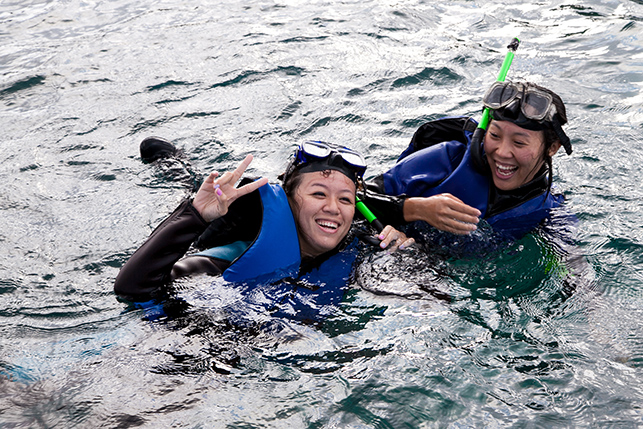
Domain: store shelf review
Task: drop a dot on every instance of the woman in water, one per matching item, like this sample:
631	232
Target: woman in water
450	182
261	233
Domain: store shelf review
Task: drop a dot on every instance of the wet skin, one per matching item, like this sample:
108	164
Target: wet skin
325	207
515	154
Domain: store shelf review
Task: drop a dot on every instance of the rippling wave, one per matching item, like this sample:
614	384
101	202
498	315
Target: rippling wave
544	331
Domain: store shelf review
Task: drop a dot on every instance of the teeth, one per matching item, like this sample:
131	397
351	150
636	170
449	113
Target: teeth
327	224
505	169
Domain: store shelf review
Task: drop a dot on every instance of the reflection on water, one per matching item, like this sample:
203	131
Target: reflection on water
544	331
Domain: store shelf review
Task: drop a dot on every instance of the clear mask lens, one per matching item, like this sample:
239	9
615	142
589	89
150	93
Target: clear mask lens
323	150
316	149
534	103
353	158
500	95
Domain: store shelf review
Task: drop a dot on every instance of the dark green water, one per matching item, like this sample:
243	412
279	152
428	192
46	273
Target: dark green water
512	340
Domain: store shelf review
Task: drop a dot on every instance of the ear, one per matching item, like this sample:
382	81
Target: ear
554	148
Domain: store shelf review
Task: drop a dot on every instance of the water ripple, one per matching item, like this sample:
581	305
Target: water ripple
541	332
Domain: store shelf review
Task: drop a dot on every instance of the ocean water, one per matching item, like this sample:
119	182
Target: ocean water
543	333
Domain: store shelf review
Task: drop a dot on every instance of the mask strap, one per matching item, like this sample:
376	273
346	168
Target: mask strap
562	137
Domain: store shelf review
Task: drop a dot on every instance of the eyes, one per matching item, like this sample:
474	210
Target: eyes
343	199
497	137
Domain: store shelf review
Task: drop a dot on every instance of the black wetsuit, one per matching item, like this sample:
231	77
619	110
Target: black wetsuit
161	258
158	261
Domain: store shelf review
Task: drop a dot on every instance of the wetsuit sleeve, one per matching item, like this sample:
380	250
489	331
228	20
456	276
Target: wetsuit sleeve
151	266
389	209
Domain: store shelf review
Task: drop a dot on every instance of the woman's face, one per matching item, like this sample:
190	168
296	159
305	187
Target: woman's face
324	209
515	154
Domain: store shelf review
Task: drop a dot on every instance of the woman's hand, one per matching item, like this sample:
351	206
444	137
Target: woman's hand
217	193
443	211
397	239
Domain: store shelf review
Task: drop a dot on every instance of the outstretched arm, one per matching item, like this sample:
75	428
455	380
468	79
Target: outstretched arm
151	266
444	211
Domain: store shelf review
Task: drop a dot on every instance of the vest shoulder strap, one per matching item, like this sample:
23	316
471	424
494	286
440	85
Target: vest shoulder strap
275	250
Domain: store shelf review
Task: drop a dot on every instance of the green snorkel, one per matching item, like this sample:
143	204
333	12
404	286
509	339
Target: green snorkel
478	134
368	214
476	139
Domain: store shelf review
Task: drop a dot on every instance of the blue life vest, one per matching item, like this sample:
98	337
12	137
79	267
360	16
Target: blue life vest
314	295
447	167
269	266
274	253
266	272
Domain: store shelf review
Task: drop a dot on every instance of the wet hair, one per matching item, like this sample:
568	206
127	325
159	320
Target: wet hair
550	135
294	180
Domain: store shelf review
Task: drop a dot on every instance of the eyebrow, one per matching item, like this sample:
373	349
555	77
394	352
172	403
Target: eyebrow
323	185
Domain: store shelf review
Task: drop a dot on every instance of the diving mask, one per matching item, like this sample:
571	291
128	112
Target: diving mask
526	106
319	156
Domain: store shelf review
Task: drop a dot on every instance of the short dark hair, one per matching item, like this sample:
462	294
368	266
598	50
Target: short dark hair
550	135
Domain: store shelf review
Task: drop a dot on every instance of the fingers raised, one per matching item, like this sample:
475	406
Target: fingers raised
238	172
232	177
250	187
217	192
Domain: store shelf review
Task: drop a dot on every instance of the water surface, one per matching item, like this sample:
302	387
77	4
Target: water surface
542	333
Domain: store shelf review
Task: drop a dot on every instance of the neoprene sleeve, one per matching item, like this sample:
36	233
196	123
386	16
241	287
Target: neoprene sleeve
151	266
389	209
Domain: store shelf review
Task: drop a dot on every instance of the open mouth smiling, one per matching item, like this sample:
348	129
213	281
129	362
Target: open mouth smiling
328	225
505	170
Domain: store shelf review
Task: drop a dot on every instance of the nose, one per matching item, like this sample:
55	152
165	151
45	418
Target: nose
504	148
332	206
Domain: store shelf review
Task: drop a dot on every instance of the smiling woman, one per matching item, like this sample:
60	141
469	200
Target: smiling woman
438	181
257	232
515	155
324	205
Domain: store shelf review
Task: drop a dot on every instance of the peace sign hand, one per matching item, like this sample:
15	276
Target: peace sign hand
217	193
